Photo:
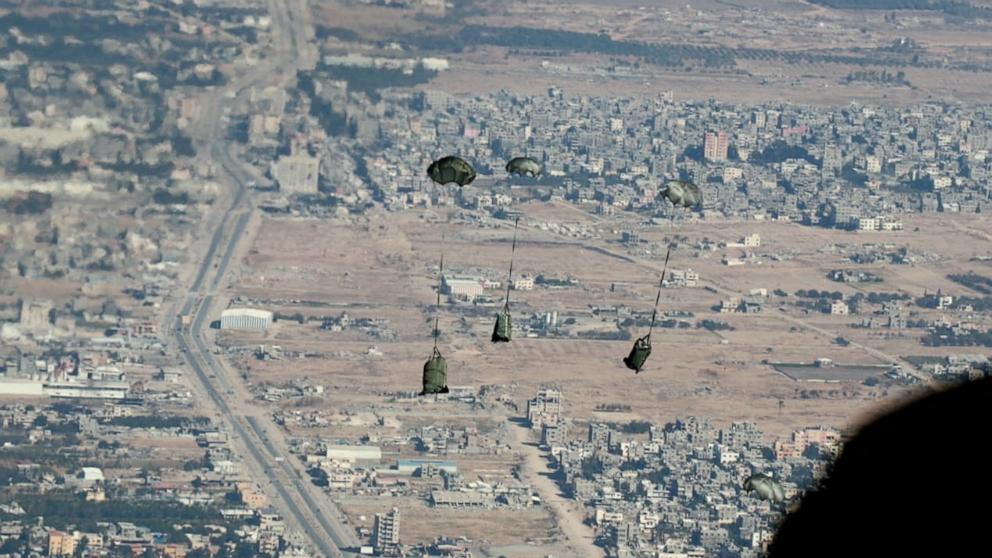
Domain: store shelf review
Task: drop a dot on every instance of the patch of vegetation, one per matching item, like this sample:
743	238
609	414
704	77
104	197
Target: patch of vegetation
618	335
978	304
875	76
666	55
634	427
714	325
946	337
61	510
590	467
813	293
165	197
160	170
949	7
34	203
371	80
973	281
343	33
156	421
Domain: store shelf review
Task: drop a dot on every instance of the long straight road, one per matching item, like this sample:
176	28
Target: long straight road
568	513
295	496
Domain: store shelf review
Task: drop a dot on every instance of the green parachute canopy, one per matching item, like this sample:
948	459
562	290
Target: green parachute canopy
451	169
524	166
682	193
765	487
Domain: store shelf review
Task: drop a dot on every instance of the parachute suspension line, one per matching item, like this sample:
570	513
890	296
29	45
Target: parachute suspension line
437	304
657	298
509	276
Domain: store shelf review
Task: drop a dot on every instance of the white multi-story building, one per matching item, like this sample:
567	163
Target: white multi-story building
524	284
386	533
544	408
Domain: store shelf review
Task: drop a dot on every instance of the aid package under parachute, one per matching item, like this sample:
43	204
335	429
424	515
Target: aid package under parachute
503	327
435	374
639	354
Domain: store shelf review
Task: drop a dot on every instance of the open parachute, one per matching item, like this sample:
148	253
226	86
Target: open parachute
765	487
524	166
682	193
451	169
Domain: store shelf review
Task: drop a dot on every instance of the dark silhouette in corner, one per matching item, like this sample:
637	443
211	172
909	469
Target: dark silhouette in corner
914	482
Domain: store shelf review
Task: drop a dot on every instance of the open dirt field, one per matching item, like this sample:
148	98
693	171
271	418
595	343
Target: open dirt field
421	524
389	271
782	26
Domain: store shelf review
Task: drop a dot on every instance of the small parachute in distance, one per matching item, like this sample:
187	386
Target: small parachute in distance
682	193
451	169
765	487
524	166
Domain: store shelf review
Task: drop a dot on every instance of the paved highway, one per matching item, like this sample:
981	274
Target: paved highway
292	494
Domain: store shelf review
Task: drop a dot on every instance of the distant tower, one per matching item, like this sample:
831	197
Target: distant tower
386	533
716	146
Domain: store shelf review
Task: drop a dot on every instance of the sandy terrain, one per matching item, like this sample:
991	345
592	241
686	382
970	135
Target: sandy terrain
421	524
389	272
779	25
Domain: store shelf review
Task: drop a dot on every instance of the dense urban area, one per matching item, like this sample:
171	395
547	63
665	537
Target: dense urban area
219	251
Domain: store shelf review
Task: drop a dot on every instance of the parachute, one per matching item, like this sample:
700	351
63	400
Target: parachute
503	328
524	166
765	487
451	169
682	193
436	368
642	347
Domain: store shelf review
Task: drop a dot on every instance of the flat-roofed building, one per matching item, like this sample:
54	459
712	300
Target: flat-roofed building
354	453
245	318
61	544
544	408
410	466
462	287
456	499
297	174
